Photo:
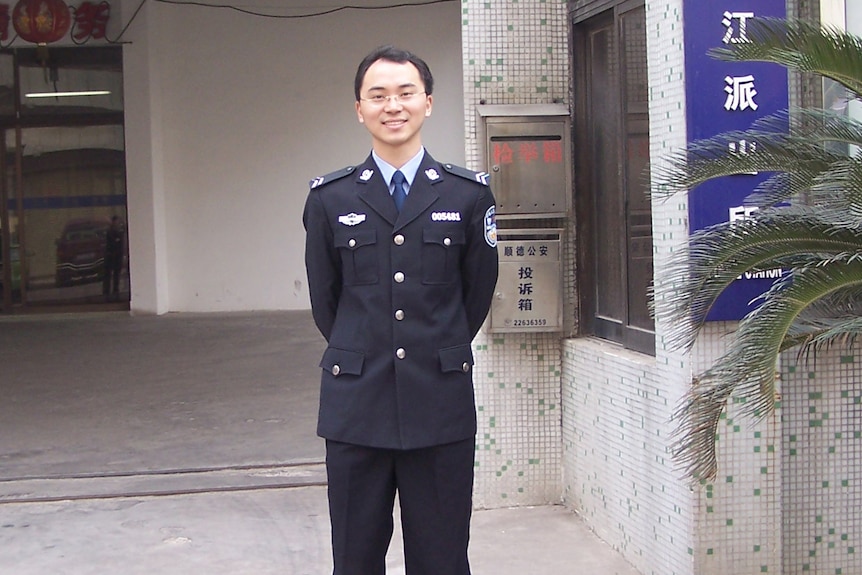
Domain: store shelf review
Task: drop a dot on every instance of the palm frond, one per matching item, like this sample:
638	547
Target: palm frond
808	224
833	320
833	134
802	46
838	193
708	159
823	126
801	145
718	255
842	332
751	376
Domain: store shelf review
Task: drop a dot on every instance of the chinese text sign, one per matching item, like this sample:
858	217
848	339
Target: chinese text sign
722	97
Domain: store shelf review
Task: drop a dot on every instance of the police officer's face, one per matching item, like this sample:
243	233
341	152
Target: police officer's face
396	119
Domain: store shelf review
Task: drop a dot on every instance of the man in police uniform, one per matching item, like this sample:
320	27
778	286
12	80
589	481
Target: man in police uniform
399	288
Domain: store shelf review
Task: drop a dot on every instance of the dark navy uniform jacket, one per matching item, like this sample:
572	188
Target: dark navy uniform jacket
399	298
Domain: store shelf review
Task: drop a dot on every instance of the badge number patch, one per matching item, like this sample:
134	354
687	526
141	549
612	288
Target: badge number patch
491	227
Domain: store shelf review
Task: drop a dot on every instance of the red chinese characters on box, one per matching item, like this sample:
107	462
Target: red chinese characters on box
528	151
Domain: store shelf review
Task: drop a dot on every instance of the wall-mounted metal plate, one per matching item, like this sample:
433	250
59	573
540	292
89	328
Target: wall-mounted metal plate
527	151
528	297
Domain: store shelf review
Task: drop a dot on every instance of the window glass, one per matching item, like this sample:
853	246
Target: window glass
70	81
615	240
63	195
7	85
73	184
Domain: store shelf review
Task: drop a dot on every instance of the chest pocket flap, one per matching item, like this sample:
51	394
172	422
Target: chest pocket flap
441	252
358	255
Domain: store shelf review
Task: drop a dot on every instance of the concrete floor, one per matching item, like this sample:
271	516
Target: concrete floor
185	444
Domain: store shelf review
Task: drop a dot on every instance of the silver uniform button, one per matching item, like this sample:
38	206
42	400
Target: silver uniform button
400	353
447	242
352	243
399	315
399	240
336	369
465	367
399	277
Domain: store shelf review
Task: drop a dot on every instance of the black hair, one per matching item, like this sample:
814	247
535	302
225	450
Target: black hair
393	54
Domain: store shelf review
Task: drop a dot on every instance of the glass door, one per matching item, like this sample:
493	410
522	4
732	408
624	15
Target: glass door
62	224
74	214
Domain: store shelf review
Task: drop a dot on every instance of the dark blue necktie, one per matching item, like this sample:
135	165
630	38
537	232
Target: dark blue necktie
398	193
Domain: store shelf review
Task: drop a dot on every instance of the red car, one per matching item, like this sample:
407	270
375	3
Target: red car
81	252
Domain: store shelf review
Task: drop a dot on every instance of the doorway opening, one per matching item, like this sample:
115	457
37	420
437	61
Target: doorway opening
63	243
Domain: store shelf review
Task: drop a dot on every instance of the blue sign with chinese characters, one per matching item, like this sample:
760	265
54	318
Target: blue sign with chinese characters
722	97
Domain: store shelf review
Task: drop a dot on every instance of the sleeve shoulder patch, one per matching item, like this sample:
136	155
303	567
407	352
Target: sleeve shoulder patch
331	177
480	177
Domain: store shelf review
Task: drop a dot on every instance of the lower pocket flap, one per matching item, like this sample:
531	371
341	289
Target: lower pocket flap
341	361
458	358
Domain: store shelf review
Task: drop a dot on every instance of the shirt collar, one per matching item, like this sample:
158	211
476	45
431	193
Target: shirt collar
409	169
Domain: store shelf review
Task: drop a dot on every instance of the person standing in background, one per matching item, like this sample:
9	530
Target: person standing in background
113	259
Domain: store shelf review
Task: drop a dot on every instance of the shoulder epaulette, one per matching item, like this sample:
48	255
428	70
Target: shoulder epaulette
331	177
481	177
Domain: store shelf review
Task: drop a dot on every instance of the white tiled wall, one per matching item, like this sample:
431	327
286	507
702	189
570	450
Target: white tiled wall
515	53
737	516
821	463
618	405
589	422
618	470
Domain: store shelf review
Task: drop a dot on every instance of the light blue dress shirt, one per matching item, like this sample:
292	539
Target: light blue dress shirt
409	169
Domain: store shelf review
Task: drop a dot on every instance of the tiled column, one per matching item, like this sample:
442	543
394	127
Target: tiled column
515	53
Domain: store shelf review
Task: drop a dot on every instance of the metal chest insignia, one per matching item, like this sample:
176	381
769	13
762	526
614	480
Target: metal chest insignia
351	219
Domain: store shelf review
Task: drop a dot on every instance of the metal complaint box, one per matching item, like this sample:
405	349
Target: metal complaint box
528	297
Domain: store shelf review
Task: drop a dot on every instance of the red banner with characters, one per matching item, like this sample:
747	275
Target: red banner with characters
89	19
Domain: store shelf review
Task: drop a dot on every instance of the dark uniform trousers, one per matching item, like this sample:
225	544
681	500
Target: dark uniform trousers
435	487
399	297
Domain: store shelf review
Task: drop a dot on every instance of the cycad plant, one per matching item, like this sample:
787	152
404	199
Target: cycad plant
808	223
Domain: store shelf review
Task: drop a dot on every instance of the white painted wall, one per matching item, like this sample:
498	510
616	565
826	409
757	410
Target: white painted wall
228	116
145	167
832	12
854	17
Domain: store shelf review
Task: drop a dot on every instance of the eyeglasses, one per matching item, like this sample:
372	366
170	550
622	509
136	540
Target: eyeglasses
381	100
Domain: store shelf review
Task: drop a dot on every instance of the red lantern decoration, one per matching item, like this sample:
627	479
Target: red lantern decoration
41	21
